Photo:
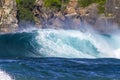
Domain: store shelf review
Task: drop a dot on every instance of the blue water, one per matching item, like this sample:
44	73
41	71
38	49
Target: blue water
62	69
59	55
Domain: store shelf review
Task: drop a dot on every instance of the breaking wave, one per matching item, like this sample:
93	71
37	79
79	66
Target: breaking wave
5	76
59	43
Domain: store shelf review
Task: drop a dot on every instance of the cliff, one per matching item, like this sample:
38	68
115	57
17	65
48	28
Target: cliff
59	14
68	15
113	9
8	13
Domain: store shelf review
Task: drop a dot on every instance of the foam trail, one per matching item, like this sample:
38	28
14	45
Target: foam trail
5	76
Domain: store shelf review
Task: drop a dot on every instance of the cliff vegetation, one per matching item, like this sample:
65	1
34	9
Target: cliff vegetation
85	3
24	8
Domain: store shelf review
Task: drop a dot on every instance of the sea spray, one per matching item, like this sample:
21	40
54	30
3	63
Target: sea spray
59	43
74	44
5	76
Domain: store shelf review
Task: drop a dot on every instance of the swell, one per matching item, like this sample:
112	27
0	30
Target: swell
18	45
59	43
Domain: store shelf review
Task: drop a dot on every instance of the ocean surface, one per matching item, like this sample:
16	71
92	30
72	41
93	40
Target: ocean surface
59	55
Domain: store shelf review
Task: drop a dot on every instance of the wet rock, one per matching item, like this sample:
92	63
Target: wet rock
113	10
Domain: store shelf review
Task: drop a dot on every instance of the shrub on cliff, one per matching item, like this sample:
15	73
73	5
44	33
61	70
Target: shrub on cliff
53	3
85	3
25	10
57	4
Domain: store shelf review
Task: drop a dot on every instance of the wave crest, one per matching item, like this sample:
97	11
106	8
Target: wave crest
59	43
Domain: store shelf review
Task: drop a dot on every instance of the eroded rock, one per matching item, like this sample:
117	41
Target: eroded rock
8	13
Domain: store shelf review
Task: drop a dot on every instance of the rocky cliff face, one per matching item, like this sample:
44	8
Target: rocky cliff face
46	17
71	17
67	16
8	12
113	10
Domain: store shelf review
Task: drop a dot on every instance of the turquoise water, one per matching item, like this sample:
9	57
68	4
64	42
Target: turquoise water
59	43
59	55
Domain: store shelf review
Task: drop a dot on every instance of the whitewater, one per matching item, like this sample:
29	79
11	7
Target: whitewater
59	43
5	76
48	54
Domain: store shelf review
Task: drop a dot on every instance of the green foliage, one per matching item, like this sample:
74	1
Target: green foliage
55	3
25	7
85	3
101	5
25	10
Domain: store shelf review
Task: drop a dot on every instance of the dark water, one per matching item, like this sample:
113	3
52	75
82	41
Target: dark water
59	55
62	69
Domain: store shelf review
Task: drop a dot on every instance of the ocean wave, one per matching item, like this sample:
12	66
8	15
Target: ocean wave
5	76
59	43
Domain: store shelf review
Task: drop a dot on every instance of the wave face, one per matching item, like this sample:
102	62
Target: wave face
59	43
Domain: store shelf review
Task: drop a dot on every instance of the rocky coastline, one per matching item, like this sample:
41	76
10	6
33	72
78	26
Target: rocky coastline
69	15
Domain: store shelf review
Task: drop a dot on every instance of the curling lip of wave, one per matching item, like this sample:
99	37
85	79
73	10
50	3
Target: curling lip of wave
59	43
76	44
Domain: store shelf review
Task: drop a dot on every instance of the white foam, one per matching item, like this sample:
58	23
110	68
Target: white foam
5	76
117	53
57	43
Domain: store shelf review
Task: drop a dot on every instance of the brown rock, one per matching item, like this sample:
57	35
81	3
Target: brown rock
70	10
112	9
73	3
8	12
71	7
82	12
